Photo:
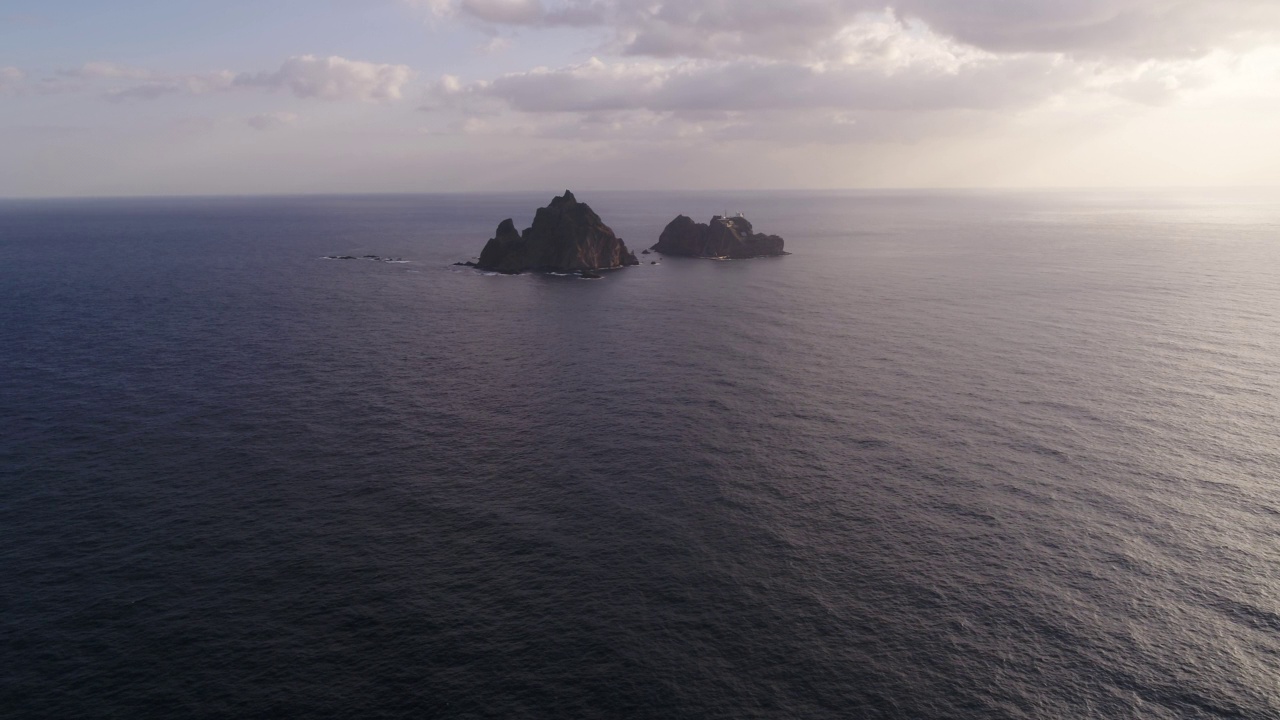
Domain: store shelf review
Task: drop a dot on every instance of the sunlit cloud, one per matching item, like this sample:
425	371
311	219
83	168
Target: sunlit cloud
333	78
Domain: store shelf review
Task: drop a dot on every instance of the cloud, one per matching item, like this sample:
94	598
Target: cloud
528	13
766	28
496	44
873	98
1115	28
333	78
438	8
162	86
1155	83
504	12
808	71
877	83
272	120
306	76
100	70
148	91
699	86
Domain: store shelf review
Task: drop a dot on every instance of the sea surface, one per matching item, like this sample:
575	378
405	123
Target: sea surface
959	455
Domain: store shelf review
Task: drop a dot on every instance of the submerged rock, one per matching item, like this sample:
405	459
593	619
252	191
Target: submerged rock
375	258
723	237
566	236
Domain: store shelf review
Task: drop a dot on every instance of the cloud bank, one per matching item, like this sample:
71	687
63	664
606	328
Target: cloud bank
795	73
717	28
824	92
304	76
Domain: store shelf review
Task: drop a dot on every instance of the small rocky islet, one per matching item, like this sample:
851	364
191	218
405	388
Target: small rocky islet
722	238
567	236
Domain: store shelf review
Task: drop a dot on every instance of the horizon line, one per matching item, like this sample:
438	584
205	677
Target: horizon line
864	189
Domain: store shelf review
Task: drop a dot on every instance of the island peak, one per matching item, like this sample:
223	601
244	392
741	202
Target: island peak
566	236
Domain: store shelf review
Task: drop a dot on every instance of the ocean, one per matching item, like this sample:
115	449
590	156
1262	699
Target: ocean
959	455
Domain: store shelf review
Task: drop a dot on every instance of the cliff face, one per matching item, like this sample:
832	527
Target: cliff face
722	237
566	236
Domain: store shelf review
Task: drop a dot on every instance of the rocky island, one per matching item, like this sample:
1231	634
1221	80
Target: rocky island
723	237
566	236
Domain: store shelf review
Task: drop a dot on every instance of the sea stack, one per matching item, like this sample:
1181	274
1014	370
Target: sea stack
723	237
566	236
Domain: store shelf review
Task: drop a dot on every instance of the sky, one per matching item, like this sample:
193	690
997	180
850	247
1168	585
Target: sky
150	97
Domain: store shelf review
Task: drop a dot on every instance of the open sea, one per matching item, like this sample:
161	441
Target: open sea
959	455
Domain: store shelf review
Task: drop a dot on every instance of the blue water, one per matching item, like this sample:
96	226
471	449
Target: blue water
960	455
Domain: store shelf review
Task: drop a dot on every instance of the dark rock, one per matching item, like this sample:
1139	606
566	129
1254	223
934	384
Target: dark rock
653	262
723	237
466	264
566	236
645	252
590	274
